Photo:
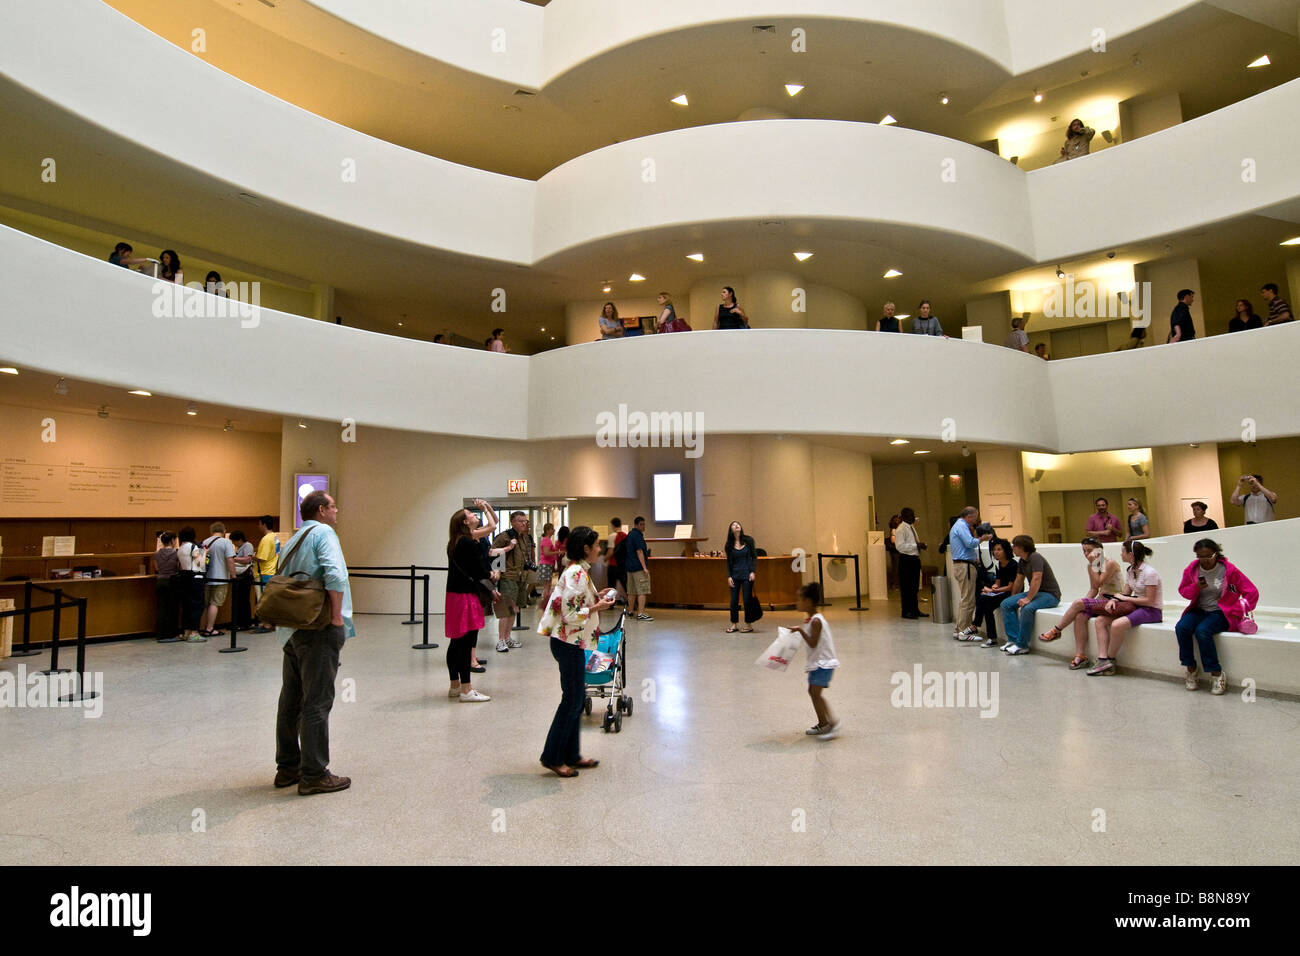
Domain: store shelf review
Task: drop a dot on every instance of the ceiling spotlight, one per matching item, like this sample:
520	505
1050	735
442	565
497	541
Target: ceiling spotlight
1038	97
892	274
921	451
191	409
794	89
8	370
1014	160
301	423
228	426
543	328
888	120
1060	273
903	315
141	392
636	277
61	387
103	411
552	338
803	256
900	441
605	289
943	99
696	256
1262	61
681	100
965	451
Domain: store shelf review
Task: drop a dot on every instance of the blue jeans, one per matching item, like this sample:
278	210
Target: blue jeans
1202	625
562	740
1018	623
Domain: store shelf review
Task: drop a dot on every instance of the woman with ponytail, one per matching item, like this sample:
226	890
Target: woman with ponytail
1141	603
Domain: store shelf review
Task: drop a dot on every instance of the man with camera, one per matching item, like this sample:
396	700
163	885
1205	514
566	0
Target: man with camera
1257	501
964	547
513	585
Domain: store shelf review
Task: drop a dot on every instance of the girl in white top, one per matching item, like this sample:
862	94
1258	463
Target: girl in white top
821	660
1144	591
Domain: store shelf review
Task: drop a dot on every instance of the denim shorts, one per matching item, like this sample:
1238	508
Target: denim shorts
821	677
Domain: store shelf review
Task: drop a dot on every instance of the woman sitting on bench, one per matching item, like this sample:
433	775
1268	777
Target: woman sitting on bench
1142	603
1219	597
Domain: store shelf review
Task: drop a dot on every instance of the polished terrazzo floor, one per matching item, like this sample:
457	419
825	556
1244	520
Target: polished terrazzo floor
714	769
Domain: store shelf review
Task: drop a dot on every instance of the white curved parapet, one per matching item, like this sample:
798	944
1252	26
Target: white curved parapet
106	324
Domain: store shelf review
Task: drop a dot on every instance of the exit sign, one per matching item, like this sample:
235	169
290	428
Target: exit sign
518	486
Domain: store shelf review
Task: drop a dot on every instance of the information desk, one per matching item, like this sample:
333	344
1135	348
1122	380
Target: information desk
702	582
115	607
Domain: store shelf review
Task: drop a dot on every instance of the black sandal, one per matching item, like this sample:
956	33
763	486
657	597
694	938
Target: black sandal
560	770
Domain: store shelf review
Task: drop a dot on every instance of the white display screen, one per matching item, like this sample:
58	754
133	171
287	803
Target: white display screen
668	497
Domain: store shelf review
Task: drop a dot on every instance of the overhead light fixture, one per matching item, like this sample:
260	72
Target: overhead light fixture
696	256
636	277
1262	61
1014	160
1291	242
191	409
605	289
103	411
794	89
888	120
1038	474
943	99
1060	273
681	100
921	451
8	370
903	315
900	441
552	338
892	274
61	387
1038	97
803	256
229	425
143	393
965	451
301	423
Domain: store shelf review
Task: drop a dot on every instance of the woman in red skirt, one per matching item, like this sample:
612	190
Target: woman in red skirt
468	579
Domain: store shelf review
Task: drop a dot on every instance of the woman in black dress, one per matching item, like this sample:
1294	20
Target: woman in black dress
730	314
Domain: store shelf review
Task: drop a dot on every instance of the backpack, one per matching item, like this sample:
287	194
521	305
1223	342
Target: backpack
620	553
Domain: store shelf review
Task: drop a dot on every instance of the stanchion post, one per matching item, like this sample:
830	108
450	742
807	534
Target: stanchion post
80	692
54	667
857	586
424	644
411	619
820	586
234	647
26	649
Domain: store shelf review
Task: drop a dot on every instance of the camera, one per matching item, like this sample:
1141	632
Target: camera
983	528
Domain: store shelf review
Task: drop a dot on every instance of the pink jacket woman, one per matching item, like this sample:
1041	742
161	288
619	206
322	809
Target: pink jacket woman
1236	587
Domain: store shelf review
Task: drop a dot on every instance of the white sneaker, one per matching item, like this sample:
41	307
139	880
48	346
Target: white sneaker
831	732
816	730
503	647
1191	680
1007	646
514	643
1219	685
473	697
1015	649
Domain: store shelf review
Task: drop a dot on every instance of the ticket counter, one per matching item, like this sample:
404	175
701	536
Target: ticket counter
702	582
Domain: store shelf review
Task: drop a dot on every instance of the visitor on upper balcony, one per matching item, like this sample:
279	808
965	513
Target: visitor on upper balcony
1018	338
1181	328
887	322
925	323
1198	521
669	321
1244	317
170	267
611	326
1041	351
1078	140
1257	502
122	255
214	285
730	314
496	343
1278	310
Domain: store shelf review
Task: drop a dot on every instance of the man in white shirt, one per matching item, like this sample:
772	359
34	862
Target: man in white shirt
1257	501
909	564
217	577
1018	338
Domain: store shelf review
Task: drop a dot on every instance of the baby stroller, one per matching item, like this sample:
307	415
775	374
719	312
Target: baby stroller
606	677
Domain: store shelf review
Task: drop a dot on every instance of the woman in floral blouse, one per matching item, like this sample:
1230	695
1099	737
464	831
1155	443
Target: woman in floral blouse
568	622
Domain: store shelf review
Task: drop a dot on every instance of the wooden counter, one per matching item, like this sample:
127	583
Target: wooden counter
115	607
702	582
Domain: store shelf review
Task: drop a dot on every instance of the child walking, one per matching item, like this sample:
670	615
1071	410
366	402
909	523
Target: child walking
821	661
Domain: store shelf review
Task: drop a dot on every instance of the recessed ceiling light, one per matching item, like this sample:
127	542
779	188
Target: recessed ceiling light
61	387
141	392
636	277
900	441
888	120
301	423
1262	61
681	100
543	328
903	315
696	256
103	411
802	256
191	409
228	426
892	274
794	89
943	99
552	338
1291	242
605	289
921	451
8	370
1038	97
1060	273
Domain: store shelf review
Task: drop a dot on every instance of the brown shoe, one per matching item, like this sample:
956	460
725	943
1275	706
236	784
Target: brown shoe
326	784
286	778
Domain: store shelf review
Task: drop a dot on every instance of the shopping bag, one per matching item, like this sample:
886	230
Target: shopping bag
781	651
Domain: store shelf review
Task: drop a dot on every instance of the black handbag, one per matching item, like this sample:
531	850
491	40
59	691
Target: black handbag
753	608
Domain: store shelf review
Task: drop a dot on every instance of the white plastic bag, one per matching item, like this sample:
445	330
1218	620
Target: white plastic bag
781	651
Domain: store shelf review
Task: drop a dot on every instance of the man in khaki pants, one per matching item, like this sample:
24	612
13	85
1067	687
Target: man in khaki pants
964	548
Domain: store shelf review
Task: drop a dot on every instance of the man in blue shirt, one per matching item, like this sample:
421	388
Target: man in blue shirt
311	658
638	570
964	548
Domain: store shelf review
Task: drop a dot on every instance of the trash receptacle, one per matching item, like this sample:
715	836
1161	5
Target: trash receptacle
940	600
